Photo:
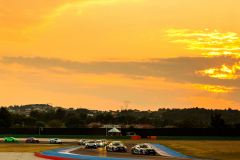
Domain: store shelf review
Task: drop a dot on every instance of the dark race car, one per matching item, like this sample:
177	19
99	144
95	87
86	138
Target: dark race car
116	146
32	140
90	144
143	149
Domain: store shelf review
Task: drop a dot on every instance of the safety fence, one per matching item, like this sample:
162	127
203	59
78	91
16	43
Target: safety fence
159	132
194	138
65	136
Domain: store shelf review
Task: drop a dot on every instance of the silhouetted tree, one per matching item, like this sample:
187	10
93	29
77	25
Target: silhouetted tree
55	123
73	121
6	119
18	120
60	115
217	122
30	121
191	122
40	124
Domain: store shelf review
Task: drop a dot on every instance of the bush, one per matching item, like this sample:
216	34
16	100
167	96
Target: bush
40	124
55	123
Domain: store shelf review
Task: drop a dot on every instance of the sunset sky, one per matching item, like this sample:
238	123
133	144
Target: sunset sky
96	54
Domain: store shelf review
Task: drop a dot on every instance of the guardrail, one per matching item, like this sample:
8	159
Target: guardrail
64	136
195	138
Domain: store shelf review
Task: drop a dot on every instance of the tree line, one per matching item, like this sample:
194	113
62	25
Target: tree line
186	118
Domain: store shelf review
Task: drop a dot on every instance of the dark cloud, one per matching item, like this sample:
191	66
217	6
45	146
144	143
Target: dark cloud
181	69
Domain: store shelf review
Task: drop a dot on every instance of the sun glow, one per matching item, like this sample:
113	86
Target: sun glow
213	88
205	40
218	44
223	73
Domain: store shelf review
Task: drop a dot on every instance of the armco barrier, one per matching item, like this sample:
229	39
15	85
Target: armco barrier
220	132
135	137
65	136
196	138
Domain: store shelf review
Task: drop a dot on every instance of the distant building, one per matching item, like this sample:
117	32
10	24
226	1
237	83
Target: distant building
11	110
136	111
28	110
94	111
149	111
143	126
90	115
36	109
90	125
111	126
114	113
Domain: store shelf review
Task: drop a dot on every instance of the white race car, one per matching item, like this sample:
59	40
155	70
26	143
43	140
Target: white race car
116	146
82	142
100	143
56	140
90	144
143	149
105	142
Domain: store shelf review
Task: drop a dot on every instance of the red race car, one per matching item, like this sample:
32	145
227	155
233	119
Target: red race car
32	140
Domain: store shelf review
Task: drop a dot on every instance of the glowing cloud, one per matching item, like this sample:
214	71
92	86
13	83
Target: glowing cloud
213	88
220	44
207	40
224	53
222	73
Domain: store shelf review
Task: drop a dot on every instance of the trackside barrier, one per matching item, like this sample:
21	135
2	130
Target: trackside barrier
196	138
64	136
135	137
151	137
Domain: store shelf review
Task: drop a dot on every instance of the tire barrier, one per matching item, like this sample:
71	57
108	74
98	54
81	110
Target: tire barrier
135	137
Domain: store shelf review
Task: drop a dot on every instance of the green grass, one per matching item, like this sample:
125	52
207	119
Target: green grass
213	149
29	147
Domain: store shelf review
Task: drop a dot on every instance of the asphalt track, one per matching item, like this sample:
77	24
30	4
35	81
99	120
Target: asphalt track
101	151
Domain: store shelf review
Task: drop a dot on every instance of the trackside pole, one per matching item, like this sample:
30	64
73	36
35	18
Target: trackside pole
40	129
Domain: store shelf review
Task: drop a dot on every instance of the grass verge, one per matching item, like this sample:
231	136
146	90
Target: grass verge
30	148
212	149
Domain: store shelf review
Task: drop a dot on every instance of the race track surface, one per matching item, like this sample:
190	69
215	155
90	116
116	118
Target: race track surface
102	152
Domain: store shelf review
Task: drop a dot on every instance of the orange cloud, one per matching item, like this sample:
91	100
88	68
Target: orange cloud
110	79
220	44
205	40
222	73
